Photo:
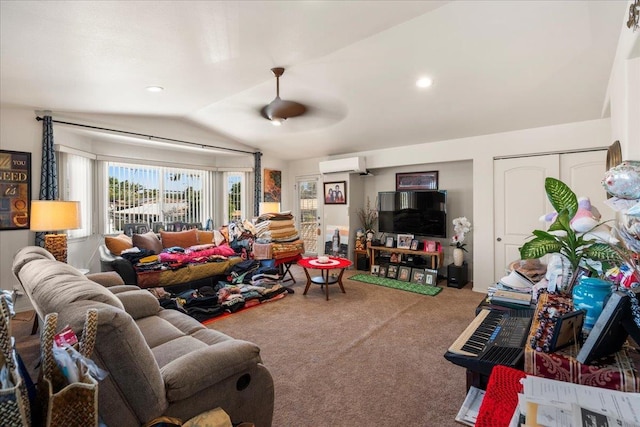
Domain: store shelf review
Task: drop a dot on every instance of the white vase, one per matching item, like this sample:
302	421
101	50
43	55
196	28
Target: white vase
458	257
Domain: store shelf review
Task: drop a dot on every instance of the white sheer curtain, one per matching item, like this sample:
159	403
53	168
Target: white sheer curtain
77	183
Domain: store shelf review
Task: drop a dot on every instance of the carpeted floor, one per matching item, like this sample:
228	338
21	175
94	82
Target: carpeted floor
370	357
397	284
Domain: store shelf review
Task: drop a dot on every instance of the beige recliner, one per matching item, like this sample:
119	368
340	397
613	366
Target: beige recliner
160	362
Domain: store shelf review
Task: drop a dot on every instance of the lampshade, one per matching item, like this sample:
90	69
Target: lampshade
54	215
269	207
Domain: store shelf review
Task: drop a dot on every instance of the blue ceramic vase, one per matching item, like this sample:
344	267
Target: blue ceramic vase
590	294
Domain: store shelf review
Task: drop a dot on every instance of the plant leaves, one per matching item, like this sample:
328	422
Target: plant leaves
602	252
539	247
561	196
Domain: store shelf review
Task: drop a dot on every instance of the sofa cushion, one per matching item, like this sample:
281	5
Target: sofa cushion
205	237
117	244
147	241
183	239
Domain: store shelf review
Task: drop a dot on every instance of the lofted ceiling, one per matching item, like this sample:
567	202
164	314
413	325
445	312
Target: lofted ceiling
496	66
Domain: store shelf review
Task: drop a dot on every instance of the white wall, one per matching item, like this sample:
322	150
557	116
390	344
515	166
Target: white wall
451	157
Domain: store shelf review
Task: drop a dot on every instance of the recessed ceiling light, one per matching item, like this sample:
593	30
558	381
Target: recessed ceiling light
424	82
155	88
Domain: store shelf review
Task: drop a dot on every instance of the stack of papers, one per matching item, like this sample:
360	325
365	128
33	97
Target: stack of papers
552	403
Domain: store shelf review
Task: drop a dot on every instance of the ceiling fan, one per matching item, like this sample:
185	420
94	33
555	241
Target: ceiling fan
279	109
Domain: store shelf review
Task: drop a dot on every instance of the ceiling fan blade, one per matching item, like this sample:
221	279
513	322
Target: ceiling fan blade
282	109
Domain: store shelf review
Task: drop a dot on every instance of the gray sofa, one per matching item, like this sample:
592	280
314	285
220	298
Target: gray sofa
160	362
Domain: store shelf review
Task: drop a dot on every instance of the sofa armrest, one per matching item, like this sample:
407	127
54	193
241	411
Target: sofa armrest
197	370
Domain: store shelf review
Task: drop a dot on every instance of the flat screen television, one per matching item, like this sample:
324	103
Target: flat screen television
421	213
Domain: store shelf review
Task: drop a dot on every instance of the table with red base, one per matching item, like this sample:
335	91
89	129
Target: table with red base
324	279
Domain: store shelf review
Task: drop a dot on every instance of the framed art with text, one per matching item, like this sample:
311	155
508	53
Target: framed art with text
15	190
417	181
335	193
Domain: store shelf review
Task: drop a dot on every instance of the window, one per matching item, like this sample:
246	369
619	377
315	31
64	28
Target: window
156	194
76	183
235	206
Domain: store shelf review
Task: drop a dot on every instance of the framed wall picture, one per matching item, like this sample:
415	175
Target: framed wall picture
404	273
417	181
382	271
15	190
418	276
404	241
272	185
392	271
335	193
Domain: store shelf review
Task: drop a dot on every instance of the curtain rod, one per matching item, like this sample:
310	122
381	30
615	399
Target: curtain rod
124	132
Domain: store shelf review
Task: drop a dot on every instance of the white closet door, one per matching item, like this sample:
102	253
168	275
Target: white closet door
583	172
520	200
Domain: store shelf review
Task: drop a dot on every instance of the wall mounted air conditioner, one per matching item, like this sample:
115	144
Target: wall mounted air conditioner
350	165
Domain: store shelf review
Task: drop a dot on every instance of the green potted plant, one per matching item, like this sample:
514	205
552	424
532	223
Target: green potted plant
561	238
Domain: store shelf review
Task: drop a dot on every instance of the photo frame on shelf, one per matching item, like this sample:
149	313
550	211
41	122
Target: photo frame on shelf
392	272
418	276
335	193
157	227
417	181
395	257
404	241
414	245
389	242
375	269
430	277
382	271
404	273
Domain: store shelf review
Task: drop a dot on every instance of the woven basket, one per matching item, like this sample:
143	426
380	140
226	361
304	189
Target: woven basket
68	405
14	401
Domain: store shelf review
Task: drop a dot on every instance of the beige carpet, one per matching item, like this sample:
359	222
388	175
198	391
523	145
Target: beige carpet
371	357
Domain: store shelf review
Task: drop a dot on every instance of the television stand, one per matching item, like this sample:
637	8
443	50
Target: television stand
436	257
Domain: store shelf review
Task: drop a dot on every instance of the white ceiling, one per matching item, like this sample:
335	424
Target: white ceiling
496	65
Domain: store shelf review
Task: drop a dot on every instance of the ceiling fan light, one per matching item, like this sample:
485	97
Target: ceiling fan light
277	121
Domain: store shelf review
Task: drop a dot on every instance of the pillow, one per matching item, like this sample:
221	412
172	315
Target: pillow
147	241
183	239
117	244
205	237
218	238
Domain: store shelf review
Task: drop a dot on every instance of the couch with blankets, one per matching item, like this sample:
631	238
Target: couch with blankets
191	258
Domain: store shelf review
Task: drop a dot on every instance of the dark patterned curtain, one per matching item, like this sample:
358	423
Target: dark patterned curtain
257	195
49	175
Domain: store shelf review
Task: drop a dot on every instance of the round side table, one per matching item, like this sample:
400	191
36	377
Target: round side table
324	279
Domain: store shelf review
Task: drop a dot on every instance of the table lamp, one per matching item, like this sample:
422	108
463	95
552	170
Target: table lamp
53	216
269	207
